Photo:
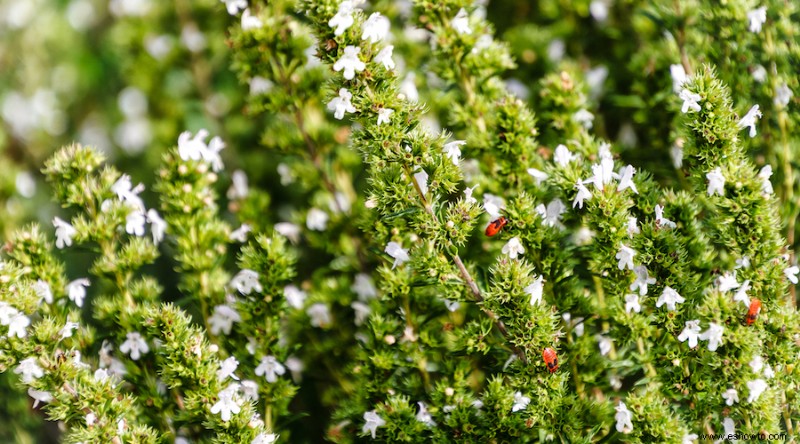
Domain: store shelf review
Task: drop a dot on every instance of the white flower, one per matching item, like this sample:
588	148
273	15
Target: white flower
461	22
424	416
604	343
493	204
246	281
221	321
676	154
134	223
633	228
756	387
64	233
384	57
520	402
294	296
376	28
296	367
270	368
678	77
604	151
228	403
538	176
728	282
749	120
759	74
769	373
623	418
134	345
67	329
584	118
90	419
240	234
716	182
289	231
783	95
764	175
484	42
661	221
195	148
562	156
741	293
602	173
316	219
234	5
731	396
320	315
670	297
339	203
384	115
39	396
626	179
743	262
632	303
101	374
226	369
625	257
341	104
582	195
372	422
729	427
690	100
17	325
239	188
157	225
421	177
791	273
42	289
535	290
551	214
757	17
757	363
361	311
285	171
265	438
125	192
713	335
343	18
452	150
6	313
191	148
349	62
250	390
396	251
29	370
76	290
513	248
364	287
259	85
408	87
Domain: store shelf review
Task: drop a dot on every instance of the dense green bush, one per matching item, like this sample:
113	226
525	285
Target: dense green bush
427	221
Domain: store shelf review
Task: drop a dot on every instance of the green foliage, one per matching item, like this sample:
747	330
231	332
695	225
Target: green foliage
322	269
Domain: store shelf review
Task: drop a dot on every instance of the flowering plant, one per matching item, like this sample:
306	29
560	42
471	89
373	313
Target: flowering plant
518	276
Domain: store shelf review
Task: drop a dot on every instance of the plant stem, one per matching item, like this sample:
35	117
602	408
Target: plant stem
465	275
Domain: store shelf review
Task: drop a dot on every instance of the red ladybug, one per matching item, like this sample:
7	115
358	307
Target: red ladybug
496	225
752	313
551	359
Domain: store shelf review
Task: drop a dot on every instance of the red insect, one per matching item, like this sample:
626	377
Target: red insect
551	359
752	313
496	225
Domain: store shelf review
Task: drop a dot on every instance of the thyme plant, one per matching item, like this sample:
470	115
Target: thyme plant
435	236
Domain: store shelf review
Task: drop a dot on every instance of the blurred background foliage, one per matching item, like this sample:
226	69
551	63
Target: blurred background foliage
128	76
